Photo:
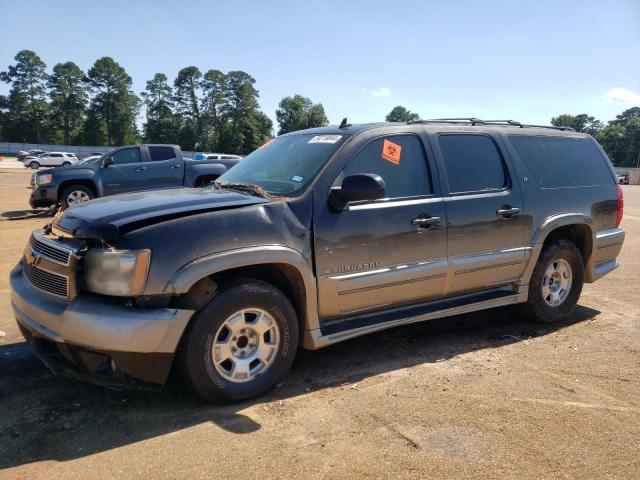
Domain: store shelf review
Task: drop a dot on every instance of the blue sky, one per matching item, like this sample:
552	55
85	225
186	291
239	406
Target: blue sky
490	59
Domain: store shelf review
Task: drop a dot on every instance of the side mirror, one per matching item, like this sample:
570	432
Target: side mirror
354	188
106	161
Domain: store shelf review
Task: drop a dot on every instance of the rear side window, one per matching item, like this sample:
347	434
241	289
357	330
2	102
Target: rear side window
472	163
562	161
401	163
158	154
126	155
56	155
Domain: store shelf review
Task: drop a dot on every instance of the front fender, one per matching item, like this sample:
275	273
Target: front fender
202	267
194	171
60	177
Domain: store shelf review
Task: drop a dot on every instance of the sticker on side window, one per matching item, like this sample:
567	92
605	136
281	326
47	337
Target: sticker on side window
325	139
297	178
391	152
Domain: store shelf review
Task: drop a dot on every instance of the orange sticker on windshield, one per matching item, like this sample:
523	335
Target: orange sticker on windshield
391	152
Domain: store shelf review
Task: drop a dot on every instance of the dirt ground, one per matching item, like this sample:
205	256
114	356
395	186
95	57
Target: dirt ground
479	396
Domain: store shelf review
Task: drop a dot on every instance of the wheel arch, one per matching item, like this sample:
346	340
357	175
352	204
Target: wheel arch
84	182
576	227
283	267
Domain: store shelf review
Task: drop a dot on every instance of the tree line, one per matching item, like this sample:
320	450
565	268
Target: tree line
620	137
210	111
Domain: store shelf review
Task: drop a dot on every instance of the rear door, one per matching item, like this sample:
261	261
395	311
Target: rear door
485	221
52	159
128	172
165	167
389	252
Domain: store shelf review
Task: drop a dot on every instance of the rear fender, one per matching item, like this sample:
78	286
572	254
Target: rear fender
546	228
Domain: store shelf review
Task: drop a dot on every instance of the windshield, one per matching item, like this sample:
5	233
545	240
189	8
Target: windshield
285	165
89	160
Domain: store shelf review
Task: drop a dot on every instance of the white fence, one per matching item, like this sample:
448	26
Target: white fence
80	151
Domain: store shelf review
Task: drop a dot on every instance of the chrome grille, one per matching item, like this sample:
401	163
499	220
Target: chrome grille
50	251
50	282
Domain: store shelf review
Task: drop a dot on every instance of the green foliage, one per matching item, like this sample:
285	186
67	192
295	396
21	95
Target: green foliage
27	101
298	112
626	116
401	114
621	138
186	96
217	111
113	103
580	123
162	125
69	96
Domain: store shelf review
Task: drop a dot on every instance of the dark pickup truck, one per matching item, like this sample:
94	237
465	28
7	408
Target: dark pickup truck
124	169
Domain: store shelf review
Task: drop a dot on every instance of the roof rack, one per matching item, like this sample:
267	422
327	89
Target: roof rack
473	121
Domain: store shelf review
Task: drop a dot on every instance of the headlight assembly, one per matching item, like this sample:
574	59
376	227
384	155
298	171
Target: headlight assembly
121	273
44	179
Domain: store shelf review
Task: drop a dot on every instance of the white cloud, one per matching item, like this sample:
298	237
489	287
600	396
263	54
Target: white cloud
381	92
623	95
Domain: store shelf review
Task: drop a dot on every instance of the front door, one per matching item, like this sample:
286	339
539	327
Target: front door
383	253
165	169
127	173
486	225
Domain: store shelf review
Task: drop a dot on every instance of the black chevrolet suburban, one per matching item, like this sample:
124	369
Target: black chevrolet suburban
317	237
123	169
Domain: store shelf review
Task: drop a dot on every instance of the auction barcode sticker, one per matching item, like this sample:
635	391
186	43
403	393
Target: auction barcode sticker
325	139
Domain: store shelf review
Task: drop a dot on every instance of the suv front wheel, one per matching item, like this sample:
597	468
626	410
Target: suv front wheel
241	344
556	283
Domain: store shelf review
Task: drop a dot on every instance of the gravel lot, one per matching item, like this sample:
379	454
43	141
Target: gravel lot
478	396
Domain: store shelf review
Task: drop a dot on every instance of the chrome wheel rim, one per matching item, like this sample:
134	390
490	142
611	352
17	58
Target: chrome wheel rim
245	345
76	197
556	283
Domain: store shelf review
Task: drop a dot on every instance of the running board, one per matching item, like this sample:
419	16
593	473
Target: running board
364	324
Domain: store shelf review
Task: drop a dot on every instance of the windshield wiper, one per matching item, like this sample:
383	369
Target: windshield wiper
251	189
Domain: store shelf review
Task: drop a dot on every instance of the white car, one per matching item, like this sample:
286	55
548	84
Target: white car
222	156
50	159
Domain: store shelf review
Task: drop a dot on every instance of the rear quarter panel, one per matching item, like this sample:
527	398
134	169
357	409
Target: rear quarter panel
549	208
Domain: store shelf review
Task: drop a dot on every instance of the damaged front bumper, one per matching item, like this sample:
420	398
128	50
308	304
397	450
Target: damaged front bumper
97	341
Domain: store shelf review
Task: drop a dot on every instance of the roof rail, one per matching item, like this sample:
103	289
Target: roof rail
477	121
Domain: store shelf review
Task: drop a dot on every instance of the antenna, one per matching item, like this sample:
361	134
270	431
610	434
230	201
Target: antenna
344	124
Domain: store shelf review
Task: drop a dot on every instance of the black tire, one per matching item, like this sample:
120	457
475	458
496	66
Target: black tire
66	164
536	308
64	203
195	354
34	165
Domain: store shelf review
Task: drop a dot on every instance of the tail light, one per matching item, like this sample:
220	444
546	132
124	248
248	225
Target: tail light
620	205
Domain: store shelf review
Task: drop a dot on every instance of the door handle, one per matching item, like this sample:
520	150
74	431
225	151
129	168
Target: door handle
141	169
425	221
173	167
507	211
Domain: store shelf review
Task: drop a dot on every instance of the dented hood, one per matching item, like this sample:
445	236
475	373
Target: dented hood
108	218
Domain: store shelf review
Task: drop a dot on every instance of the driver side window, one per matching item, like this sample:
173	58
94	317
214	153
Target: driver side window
399	160
126	155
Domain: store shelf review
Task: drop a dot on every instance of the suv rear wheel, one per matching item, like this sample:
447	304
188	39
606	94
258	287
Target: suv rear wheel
556	283
241	344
